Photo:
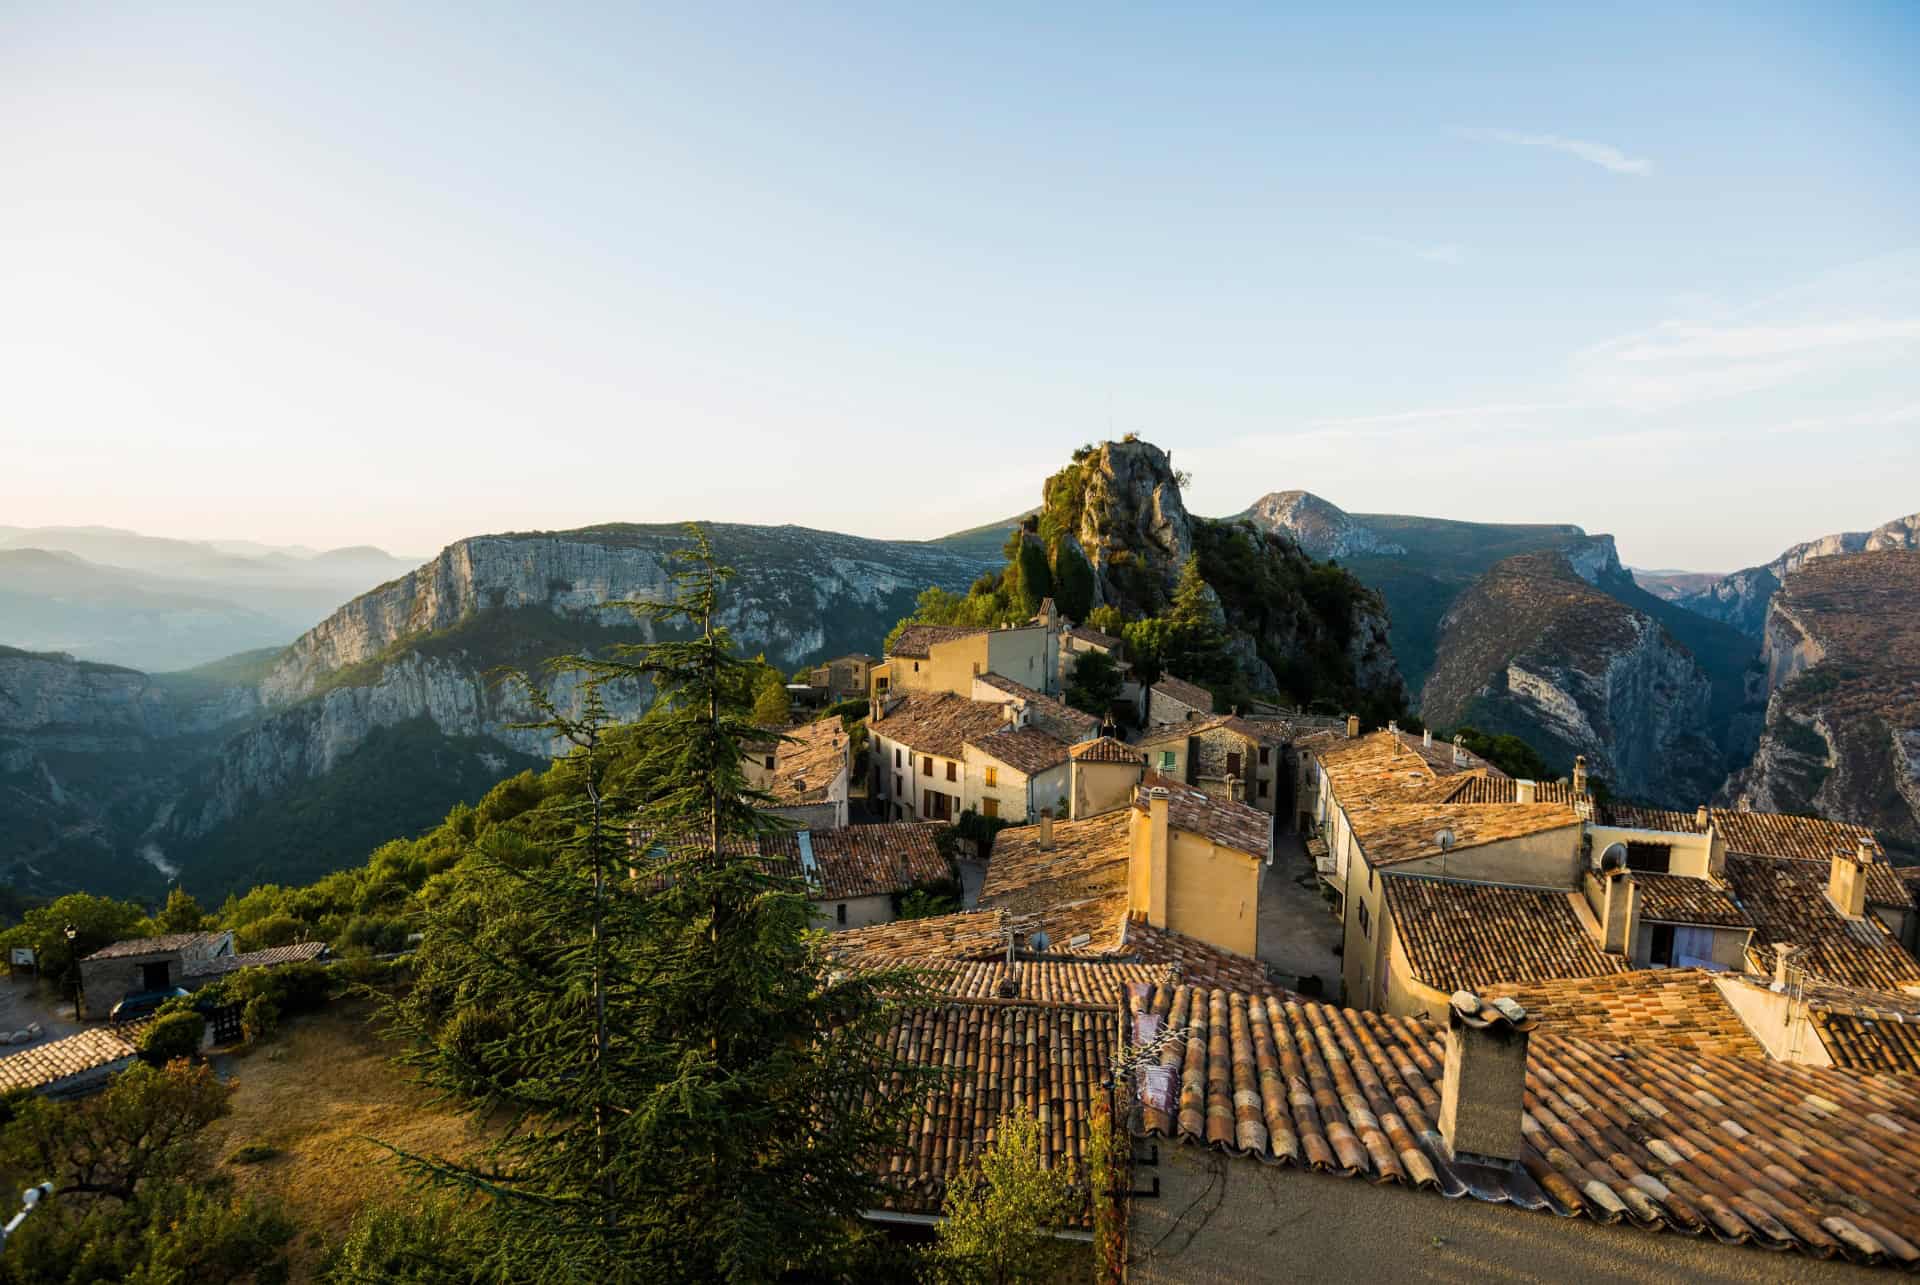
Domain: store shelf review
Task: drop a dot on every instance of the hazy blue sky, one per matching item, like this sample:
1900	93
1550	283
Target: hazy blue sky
401	273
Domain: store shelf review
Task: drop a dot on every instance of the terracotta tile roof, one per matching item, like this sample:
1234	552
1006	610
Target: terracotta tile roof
1787	901
1781	1156
273	956
968	934
1473	787
1675	1007
863	860
1676	899
1086	922
1088	857
1093	637
914	640
1199	963
1439	755
1888	1045
42	1064
1629	817
1231	825
1050	1059
1026	749
936	722
1104	749
1382	768
161	945
1186	693
1049	981
1055	718
1258	733
1774	834
806	766
1392	833
1464	936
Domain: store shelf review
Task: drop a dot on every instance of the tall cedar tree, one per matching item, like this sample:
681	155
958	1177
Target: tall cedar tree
690	1092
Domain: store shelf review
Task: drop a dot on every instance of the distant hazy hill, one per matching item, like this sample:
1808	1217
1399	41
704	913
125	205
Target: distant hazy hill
156	604
983	542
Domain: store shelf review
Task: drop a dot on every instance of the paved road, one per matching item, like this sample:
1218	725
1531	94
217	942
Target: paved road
1297	934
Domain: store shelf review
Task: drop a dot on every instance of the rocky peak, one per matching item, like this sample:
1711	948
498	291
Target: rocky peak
1131	522
1742	597
1321	529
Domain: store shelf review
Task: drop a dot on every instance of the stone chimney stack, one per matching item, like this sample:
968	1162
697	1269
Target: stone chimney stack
1459	752
1484	1090
1353	726
1393	726
1616	928
1158	836
1046	829
1579	774
1523	792
1847	880
878	710
1745	803
1426	739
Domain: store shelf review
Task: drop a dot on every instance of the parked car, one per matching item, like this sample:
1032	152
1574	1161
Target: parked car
141	1004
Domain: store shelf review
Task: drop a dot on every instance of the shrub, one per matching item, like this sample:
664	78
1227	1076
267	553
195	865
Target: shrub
259	1018
375	934
274	930
252	1154
435	1243
175	1035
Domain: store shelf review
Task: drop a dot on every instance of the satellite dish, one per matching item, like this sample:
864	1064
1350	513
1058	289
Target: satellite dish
1614	858
1444	839
1039	940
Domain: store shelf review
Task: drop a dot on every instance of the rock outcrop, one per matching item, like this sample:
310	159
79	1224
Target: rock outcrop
1741	598
1321	529
1841	646
1534	649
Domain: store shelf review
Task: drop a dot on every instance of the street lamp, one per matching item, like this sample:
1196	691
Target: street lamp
28	1199
79	985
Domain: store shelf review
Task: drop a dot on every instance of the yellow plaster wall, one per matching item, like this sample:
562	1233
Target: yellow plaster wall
1213	893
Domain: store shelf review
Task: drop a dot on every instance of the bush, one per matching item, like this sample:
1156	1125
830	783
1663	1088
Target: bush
259	1018
175	1035
375	934
252	1154
438	1243
274	930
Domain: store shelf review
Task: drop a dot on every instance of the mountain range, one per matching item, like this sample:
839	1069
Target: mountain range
292	758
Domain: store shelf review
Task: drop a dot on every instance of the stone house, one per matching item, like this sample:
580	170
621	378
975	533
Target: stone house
933	755
1227	756
947	658
806	773
843	677
1174	700
1102	776
145	964
853	874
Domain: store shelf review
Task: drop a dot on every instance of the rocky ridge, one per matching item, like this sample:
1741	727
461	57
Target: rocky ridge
1842	676
1321	529
1536	649
1742	597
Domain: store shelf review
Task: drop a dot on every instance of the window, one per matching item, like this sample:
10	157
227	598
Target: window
916	666
841	912
769	762
993	776
1263	787
896	756
936	806
1166	760
1365	928
1653	858
989	807
926	765
898	788
1233	764
1662	953
1266	754
952	771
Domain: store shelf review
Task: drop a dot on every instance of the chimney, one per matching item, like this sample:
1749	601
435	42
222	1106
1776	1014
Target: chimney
1147	887
1459	752
1353	726
878	712
1046	829
1782	954
1579	774
1745	803
1484	1089
1701	817
1847	880
1393	726
1523	791
1426	739
1616	928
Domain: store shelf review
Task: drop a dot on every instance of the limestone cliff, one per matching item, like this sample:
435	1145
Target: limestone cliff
1841	648
1741	599
1535	649
1322	530
1301	628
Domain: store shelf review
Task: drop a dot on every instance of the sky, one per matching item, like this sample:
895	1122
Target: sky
397	274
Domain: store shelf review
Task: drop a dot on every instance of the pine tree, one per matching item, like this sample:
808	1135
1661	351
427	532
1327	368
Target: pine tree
1196	649
691	1094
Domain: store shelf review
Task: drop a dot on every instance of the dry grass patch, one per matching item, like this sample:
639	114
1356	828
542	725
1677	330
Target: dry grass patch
314	1093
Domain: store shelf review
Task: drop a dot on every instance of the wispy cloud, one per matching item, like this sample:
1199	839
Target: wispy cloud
1448	414
1449	254
1605	155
